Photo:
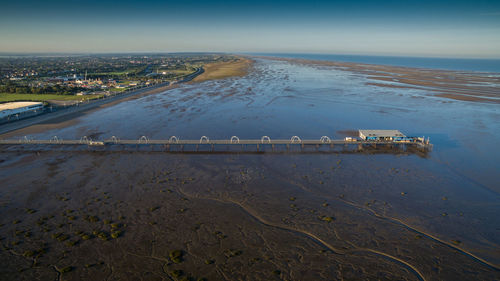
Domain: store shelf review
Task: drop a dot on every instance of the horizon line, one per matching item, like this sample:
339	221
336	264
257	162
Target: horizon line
35	53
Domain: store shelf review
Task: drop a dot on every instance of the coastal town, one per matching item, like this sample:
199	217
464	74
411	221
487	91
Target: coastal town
31	86
34	78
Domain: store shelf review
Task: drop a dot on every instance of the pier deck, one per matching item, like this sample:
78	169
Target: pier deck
230	144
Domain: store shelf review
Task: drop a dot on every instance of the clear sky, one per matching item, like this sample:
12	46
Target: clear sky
403	27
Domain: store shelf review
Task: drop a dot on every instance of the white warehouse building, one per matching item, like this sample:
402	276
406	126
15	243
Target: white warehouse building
21	108
381	135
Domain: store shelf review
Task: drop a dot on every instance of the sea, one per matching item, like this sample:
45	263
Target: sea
457	64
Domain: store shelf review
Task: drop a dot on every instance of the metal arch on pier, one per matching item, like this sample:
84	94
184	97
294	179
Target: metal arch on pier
325	139
85	140
235	139
143	139
265	138
25	139
114	139
55	139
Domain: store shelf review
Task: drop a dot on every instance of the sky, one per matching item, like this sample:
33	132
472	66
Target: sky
465	29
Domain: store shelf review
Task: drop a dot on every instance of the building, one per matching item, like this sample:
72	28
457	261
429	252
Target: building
381	135
20	109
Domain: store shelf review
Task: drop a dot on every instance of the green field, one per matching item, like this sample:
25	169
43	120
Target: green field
117	90
33	97
177	71
130	71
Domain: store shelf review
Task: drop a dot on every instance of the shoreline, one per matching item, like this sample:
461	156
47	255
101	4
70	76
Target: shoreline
446	84
56	119
220	70
68	116
449	84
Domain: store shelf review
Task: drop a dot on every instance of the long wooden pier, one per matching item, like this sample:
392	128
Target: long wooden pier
233	144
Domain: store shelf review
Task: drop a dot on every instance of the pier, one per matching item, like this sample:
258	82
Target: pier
234	144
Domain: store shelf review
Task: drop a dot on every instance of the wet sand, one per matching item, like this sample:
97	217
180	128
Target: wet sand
68	117
221	70
214	71
100	215
458	85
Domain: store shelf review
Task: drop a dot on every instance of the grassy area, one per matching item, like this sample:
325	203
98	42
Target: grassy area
33	97
177	71
221	70
118	90
130	71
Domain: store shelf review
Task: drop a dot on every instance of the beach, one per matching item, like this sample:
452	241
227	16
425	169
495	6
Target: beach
140	213
66	118
458	85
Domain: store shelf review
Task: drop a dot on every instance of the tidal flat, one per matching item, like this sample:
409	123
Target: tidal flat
150	215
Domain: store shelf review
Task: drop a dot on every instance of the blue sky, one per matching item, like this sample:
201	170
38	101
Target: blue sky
404	27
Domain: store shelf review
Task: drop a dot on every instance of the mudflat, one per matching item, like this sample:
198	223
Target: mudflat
458	85
145	215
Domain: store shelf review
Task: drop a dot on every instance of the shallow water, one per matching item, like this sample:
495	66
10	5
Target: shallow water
380	202
486	65
280	100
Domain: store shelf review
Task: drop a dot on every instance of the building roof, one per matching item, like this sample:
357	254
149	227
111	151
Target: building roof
16	105
381	133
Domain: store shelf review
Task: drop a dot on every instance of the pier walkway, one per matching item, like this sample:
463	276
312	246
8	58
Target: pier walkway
232	144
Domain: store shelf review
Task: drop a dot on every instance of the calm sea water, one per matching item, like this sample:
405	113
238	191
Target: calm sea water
481	65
